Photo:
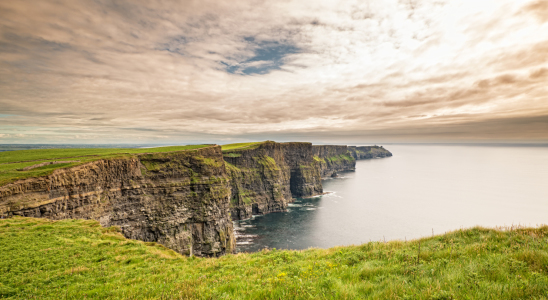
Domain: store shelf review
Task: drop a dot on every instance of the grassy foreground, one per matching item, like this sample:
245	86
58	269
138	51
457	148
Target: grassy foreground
77	259
11	162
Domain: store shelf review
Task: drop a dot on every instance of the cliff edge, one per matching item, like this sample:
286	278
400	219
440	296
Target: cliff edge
178	199
266	176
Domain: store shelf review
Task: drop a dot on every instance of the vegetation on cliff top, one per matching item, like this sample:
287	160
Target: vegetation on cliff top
242	146
340	157
77	259
12	163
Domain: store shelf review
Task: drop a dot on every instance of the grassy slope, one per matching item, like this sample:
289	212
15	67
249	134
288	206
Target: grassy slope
75	259
10	161
241	146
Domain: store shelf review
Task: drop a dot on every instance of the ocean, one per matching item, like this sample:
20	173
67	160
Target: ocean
420	191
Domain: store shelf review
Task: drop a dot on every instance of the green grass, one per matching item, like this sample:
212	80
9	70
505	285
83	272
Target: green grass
242	146
340	157
268	163
318	159
246	196
77	259
11	161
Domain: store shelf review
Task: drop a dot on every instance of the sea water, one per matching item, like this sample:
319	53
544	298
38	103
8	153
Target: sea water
420	191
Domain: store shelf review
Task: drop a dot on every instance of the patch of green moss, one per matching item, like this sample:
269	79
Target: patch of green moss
231	168
318	159
243	197
209	161
268	163
247	198
151	165
340	157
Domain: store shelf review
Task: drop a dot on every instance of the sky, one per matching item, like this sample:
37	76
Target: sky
356	72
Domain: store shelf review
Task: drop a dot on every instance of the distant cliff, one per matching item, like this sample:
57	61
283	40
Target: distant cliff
366	152
267	176
178	199
333	159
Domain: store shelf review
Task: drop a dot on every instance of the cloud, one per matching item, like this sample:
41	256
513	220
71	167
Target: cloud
539	8
174	70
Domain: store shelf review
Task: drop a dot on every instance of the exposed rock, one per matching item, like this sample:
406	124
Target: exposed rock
366	152
178	199
46	164
266	178
333	158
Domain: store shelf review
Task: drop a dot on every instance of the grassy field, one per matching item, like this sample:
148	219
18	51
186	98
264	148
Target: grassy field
76	259
241	146
12	161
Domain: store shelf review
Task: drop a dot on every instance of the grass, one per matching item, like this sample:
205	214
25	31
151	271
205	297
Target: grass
318	159
242	146
78	259
340	157
11	161
268	163
246	196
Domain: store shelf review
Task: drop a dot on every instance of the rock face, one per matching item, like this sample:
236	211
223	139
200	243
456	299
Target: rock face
332	159
366	152
266	178
178	199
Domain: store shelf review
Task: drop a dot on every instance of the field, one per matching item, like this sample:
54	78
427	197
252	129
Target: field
78	259
12	162
241	146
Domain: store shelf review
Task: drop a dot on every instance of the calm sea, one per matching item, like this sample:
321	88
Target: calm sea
420	190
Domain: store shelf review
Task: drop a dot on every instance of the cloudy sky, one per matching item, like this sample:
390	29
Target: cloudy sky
367	71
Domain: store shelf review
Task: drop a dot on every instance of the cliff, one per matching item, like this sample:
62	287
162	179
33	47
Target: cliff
178	199
266	177
333	159
367	152
184	200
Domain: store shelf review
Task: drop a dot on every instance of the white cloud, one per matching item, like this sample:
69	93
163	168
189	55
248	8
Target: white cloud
91	69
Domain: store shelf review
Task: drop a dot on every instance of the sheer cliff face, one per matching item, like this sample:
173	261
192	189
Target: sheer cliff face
306	178
332	159
178	199
265	179
366	152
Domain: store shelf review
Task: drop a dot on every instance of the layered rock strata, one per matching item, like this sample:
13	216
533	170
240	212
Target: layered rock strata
332	159
184	200
367	152
266	178
178	199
